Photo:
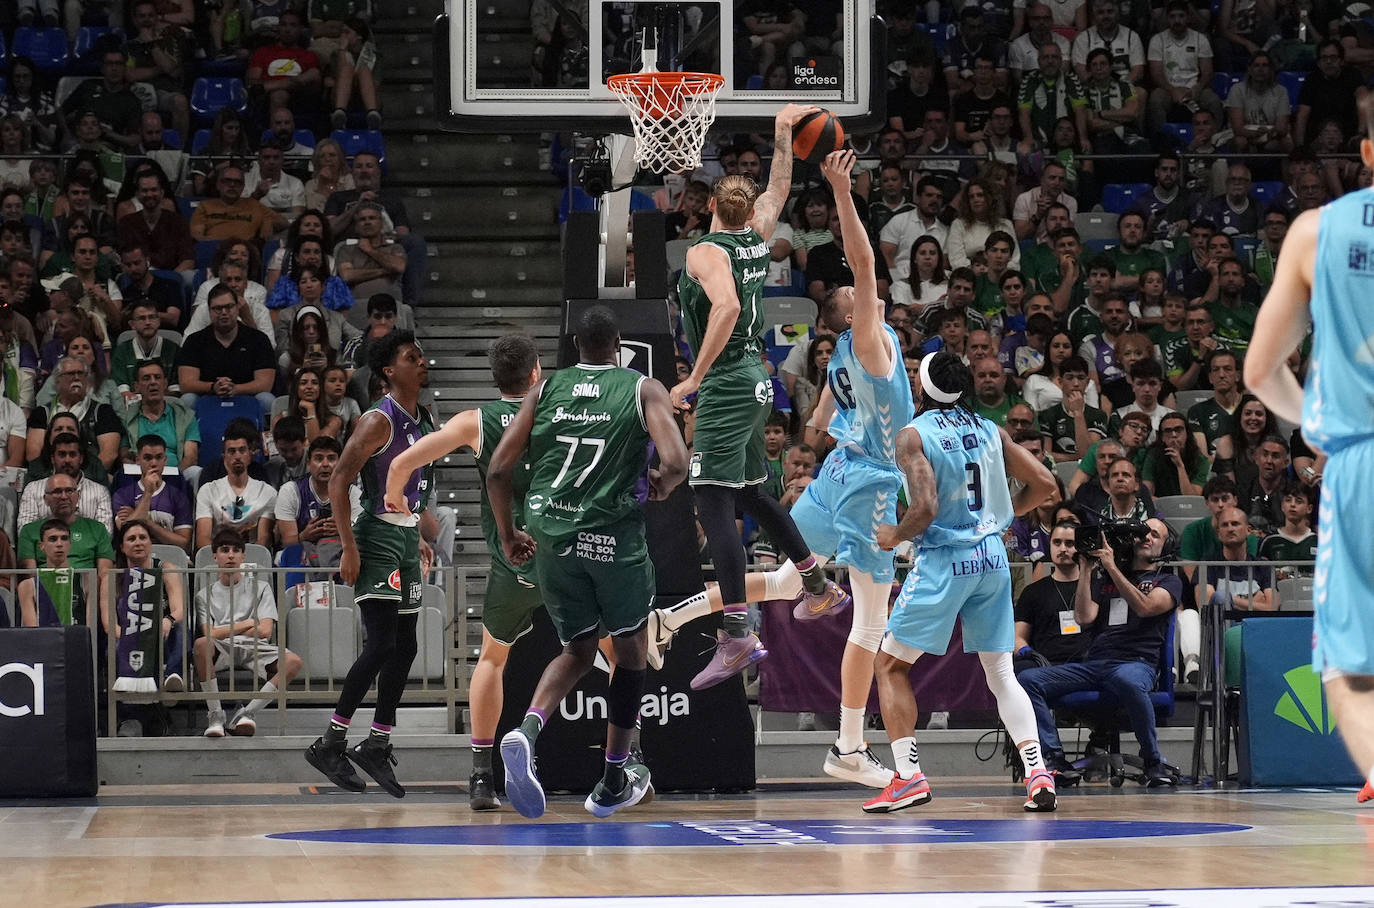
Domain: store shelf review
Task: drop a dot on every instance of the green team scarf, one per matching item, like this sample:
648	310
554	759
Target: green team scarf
55	596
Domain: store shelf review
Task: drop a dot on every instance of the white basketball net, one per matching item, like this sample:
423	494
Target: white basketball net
671	113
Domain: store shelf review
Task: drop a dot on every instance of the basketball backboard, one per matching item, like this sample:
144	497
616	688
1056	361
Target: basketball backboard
495	74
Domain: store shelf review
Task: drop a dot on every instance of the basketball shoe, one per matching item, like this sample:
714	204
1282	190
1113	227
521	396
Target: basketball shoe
860	766
733	655
376	760
522	785
603	802
900	793
482	791
331	760
1040	796
817	605
660	638
1366	793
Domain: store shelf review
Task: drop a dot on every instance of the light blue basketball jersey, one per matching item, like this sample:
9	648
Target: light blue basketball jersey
869	410
1338	410
965	453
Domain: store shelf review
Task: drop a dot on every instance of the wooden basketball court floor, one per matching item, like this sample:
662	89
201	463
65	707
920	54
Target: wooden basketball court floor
799	844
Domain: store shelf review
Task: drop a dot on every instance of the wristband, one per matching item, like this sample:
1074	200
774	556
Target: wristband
1023	650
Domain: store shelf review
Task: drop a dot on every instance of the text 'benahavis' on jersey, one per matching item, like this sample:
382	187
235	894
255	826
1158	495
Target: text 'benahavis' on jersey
588	447
869	410
405	431
496	417
749	260
965	454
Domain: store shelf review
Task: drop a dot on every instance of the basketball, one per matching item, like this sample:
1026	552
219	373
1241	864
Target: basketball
816	136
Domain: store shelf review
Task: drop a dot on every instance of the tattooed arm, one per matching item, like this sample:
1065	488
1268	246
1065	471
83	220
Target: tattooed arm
923	502
769	204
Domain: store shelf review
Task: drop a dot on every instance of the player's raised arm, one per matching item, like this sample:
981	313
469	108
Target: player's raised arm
710	265
769	204
672	451
369	435
1282	322
870	341
1022	464
923	501
516	543
464	430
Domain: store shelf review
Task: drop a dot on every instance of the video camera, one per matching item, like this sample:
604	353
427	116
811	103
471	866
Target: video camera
1121	535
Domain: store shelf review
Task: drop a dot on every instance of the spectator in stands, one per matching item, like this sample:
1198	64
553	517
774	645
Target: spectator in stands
962	51
26	99
950	331
779	28
1200	233
155	55
925	284
963	283
353	69
100	429
273	187
902	232
77	200
146	344
1175	465
1214	418
1259	109
331	174
1234	317
64	452
1045	387
1295	539
303	513
306	401
1088	487
240	252
233	275
1242	587
1131	257
162	235
382	319
1050	92
1166	207
238	627
890	201
1125	52
1326	94
811	224
980	214
692	219
973	108
166	417
1123	502
49	599
827	268
153	151
1123	656
1147	387
337	399
311	225
1199	540
1234	212
14	171
164	507
799	467
116	107
312	286
288	464
1276	221
997	142
13	422
282	124
90	548
228	139
227	359
1098	349
1114	106
370	263
951	172
1072	424
805	389
1024	54
236	501
1031	211
998	249
1180	61
287	74
343	205
1261	485
231	216
990	387
141	287
1236	451
100	295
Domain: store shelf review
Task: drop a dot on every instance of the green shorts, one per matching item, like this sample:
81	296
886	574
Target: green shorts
594	580
511	600
390	563
732	406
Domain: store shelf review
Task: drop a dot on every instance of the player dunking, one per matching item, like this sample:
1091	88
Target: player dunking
512	592
956	465
839	514
586	430
388	579
1326	274
721	293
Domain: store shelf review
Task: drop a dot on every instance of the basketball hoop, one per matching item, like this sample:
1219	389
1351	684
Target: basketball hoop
671	113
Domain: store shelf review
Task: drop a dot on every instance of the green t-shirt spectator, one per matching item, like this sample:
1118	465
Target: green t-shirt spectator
1199	542
1058	425
1088	463
1279	548
998	414
1234	325
1038	263
1162	337
1212	420
1048	100
90	541
1132	264
987	296
1168	485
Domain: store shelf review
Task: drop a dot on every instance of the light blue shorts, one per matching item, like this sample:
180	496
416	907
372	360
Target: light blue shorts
1343	627
839	512
972	583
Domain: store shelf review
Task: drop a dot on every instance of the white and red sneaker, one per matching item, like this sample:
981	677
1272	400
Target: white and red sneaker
1366	793
900	793
1040	795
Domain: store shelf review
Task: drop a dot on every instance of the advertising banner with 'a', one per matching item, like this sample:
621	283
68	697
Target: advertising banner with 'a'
47	713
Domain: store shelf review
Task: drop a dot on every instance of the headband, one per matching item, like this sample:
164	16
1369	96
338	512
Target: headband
930	388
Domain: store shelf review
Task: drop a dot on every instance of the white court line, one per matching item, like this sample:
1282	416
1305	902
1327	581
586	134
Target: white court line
1158	898
81	823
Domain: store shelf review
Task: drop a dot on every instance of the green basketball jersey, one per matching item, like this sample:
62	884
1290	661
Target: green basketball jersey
588	447
495	418
749	260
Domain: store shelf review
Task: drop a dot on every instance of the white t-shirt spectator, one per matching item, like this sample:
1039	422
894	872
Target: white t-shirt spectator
288	506
1180	56
249	598
903	231
12	423
222	504
1259	107
1024	54
1125	47
287	194
1025	204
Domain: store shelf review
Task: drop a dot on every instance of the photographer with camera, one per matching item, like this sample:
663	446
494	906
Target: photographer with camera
1127	602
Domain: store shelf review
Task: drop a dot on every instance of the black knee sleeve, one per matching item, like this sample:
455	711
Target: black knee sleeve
622	700
775	520
716	511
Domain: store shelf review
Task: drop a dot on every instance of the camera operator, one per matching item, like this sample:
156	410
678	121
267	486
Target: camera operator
1128	607
1047	632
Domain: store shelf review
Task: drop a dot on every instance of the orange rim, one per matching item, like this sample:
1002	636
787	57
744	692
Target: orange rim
665	81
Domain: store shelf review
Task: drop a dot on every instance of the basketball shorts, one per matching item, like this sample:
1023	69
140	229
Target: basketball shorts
390	564
732	406
1343	626
511	600
970	583
252	654
596	579
839	513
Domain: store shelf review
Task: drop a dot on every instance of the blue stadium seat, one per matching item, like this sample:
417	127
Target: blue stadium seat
4	51
1222	82
755	82
355	140
172	139
1245	247
213	415
939	33
1098	245
227	67
187	206
1265	191
1293	82
46	47
205	252
199	140
1119	197
211	95
1182	133
574	199
84	59
303	137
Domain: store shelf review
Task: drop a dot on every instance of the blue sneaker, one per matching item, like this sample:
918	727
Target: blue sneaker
522	785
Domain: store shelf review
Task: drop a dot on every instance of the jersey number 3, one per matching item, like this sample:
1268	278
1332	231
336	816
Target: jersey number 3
975	486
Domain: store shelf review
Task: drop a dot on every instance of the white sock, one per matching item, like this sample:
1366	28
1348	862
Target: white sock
785	581
1030	757
252	708
904	755
686	611
212	687
851	729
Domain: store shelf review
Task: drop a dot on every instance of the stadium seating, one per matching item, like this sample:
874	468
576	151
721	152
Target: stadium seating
1119	197
211	95
46	47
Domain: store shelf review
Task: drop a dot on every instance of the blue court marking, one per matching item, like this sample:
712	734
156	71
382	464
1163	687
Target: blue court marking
725	833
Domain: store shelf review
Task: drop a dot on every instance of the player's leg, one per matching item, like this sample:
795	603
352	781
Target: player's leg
907	786
1352	702
736	647
850	758
820	596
